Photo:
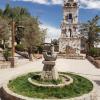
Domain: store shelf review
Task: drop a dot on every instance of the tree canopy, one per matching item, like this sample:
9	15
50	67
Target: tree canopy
91	31
27	30
4	30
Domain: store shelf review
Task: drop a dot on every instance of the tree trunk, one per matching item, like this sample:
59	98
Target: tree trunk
4	44
30	57
30	54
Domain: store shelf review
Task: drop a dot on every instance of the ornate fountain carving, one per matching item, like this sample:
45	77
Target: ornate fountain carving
49	71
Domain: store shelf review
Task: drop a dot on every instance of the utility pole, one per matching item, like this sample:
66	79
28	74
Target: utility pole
13	45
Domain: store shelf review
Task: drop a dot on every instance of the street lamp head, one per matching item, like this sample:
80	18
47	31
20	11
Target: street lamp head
21	27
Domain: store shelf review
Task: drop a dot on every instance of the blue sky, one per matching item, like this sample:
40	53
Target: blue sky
50	12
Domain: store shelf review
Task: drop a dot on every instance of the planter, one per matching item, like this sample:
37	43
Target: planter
7	94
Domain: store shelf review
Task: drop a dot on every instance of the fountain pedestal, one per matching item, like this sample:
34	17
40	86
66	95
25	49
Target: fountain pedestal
49	71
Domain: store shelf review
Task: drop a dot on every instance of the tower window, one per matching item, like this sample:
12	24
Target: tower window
68	4
70	32
75	4
70	16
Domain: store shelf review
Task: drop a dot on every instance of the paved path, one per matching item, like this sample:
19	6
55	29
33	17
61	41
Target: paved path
20	60
83	67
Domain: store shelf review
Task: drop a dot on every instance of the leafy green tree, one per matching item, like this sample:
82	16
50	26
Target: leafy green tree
4	31
1	12
91	31
55	42
6	54
7	11
16	14
27	33
33	35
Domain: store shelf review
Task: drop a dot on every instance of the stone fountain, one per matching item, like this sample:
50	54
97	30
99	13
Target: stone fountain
49	70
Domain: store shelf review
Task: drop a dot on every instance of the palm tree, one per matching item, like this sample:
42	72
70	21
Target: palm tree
91	31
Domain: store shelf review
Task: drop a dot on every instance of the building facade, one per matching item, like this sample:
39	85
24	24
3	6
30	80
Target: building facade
70	36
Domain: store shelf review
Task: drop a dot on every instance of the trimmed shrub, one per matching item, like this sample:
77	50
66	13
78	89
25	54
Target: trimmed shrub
37	49
40	49
94	52
20	47
1	46
6	54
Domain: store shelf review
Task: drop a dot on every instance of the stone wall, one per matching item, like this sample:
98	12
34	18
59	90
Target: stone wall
94	61
74	43
70	50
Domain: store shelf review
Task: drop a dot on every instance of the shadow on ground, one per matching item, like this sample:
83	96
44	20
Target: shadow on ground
97	82
1	94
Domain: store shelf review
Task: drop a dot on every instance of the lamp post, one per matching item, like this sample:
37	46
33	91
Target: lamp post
13	46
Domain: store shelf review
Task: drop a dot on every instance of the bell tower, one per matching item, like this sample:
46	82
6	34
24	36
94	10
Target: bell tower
69	27
69	24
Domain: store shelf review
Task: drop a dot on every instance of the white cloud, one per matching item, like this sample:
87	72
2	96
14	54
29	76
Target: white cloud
36	1
57	1
87	4
52	32
90	4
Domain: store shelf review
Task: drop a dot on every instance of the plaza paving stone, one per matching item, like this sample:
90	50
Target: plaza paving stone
82	67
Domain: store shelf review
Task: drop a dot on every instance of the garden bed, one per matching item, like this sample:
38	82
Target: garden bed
79	87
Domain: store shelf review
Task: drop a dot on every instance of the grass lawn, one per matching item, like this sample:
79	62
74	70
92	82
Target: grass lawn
79	87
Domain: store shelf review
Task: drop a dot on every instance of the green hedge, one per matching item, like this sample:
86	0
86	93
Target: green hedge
6	54
20	47
94	52
1	46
